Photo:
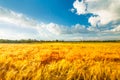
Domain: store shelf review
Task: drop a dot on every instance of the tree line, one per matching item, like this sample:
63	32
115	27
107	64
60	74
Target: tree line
38	41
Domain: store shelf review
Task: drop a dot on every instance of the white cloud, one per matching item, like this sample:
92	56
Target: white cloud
18	26
8	16
80	7
11	31
105	19
72	10
94	20
91	0
78	29
53	28
115	30
107	10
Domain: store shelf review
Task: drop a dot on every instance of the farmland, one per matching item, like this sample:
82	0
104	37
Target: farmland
60	61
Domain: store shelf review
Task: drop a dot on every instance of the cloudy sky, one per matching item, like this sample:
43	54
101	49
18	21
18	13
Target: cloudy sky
60	19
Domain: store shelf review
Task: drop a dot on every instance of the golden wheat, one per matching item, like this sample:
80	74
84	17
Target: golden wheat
60	61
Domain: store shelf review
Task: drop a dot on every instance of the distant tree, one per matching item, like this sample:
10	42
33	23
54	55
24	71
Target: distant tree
57	40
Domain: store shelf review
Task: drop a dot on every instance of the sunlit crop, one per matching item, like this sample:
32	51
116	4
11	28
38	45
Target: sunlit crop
60	61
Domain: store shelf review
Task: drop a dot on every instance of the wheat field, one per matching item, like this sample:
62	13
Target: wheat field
60	61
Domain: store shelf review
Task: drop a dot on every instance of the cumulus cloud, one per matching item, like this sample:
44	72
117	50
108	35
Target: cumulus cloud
107	11
94	20
105	18
80	7
18	26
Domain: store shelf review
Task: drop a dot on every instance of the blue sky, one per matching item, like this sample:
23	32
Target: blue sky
57	11
60	19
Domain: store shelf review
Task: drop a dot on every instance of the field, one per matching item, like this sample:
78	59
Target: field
60	61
